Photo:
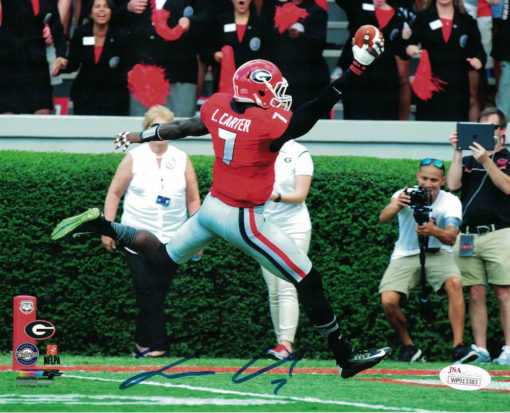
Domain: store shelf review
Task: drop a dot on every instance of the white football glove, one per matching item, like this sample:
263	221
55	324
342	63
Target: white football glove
362	55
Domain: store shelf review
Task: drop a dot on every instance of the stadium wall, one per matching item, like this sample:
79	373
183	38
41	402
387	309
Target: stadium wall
94	134
217	306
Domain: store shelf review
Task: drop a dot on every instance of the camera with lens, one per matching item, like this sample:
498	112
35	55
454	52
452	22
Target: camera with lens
421	198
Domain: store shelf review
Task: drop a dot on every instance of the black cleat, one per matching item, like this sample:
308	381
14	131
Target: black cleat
78	224
409	353
361	360
463	354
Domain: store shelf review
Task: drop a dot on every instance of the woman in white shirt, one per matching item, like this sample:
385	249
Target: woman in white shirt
160	191
287	209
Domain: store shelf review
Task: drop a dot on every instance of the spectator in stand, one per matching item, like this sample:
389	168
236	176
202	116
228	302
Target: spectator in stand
449	41
484	179
287	209
478	80
99	51
299	52
377	94
167	34
24	78
160	191
249	35
501	53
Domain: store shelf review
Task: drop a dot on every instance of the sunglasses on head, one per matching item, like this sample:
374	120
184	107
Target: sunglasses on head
436	162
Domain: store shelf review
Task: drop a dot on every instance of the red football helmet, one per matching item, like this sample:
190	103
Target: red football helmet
261	82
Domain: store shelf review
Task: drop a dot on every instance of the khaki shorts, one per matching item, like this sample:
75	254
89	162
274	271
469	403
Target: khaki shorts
490	262
403	274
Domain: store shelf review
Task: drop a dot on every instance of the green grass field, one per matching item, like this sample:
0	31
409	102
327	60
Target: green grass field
96	384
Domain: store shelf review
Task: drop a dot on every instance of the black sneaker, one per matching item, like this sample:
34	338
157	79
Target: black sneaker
78	224
361	360
409	353
141	354
463	354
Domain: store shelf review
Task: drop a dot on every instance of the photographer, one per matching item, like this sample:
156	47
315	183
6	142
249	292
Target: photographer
485	230
436	235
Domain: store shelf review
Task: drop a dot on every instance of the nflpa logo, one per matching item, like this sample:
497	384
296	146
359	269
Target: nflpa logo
51	350
51	357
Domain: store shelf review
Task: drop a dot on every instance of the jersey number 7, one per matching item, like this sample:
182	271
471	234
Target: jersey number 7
228	149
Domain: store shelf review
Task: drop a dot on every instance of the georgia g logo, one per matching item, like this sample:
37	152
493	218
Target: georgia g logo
39	329
261	76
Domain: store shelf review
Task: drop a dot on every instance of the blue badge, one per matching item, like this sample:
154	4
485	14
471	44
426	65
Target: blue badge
114	62
162	200
188	11
463	40
26	354
255	44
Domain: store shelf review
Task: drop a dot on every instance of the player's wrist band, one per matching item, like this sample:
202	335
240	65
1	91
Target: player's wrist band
357	68
278	198
151	134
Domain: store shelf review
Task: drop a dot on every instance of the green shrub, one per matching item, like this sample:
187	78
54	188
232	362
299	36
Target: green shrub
217	306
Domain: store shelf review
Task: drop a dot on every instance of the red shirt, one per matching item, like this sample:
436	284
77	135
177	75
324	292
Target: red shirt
241	29
243	172
383	16
97	53
447	28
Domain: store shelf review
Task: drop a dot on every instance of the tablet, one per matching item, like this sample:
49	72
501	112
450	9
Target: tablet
469	132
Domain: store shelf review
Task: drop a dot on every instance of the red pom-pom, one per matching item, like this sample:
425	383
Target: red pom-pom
425	83
288	14
359	37
148	85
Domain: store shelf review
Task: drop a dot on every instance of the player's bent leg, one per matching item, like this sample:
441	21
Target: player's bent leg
191	237
93	221
276	251
268	244
78	224
318	309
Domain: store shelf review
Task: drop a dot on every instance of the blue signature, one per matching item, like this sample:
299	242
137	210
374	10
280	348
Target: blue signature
132	381
279	383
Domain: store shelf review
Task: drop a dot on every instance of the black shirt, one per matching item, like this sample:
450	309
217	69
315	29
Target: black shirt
490	205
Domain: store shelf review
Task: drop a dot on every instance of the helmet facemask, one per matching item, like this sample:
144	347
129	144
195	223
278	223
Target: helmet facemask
281	100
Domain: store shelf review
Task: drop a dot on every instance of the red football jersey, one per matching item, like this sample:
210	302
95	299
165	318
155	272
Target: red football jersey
243	172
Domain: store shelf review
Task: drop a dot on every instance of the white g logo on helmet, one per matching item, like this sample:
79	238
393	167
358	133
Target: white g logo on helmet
261	76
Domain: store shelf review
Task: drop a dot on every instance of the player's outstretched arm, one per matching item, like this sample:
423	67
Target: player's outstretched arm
307	115
176	129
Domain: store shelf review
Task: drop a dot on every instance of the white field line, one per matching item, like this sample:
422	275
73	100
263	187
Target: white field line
265	396
111	400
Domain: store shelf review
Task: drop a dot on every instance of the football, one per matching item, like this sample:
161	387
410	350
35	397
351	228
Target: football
362	31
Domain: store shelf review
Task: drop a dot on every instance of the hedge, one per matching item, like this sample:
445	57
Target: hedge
217	306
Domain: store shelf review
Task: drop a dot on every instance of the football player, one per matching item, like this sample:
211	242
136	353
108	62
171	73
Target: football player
247	128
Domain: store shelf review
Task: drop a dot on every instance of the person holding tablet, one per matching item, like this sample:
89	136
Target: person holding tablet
482	251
